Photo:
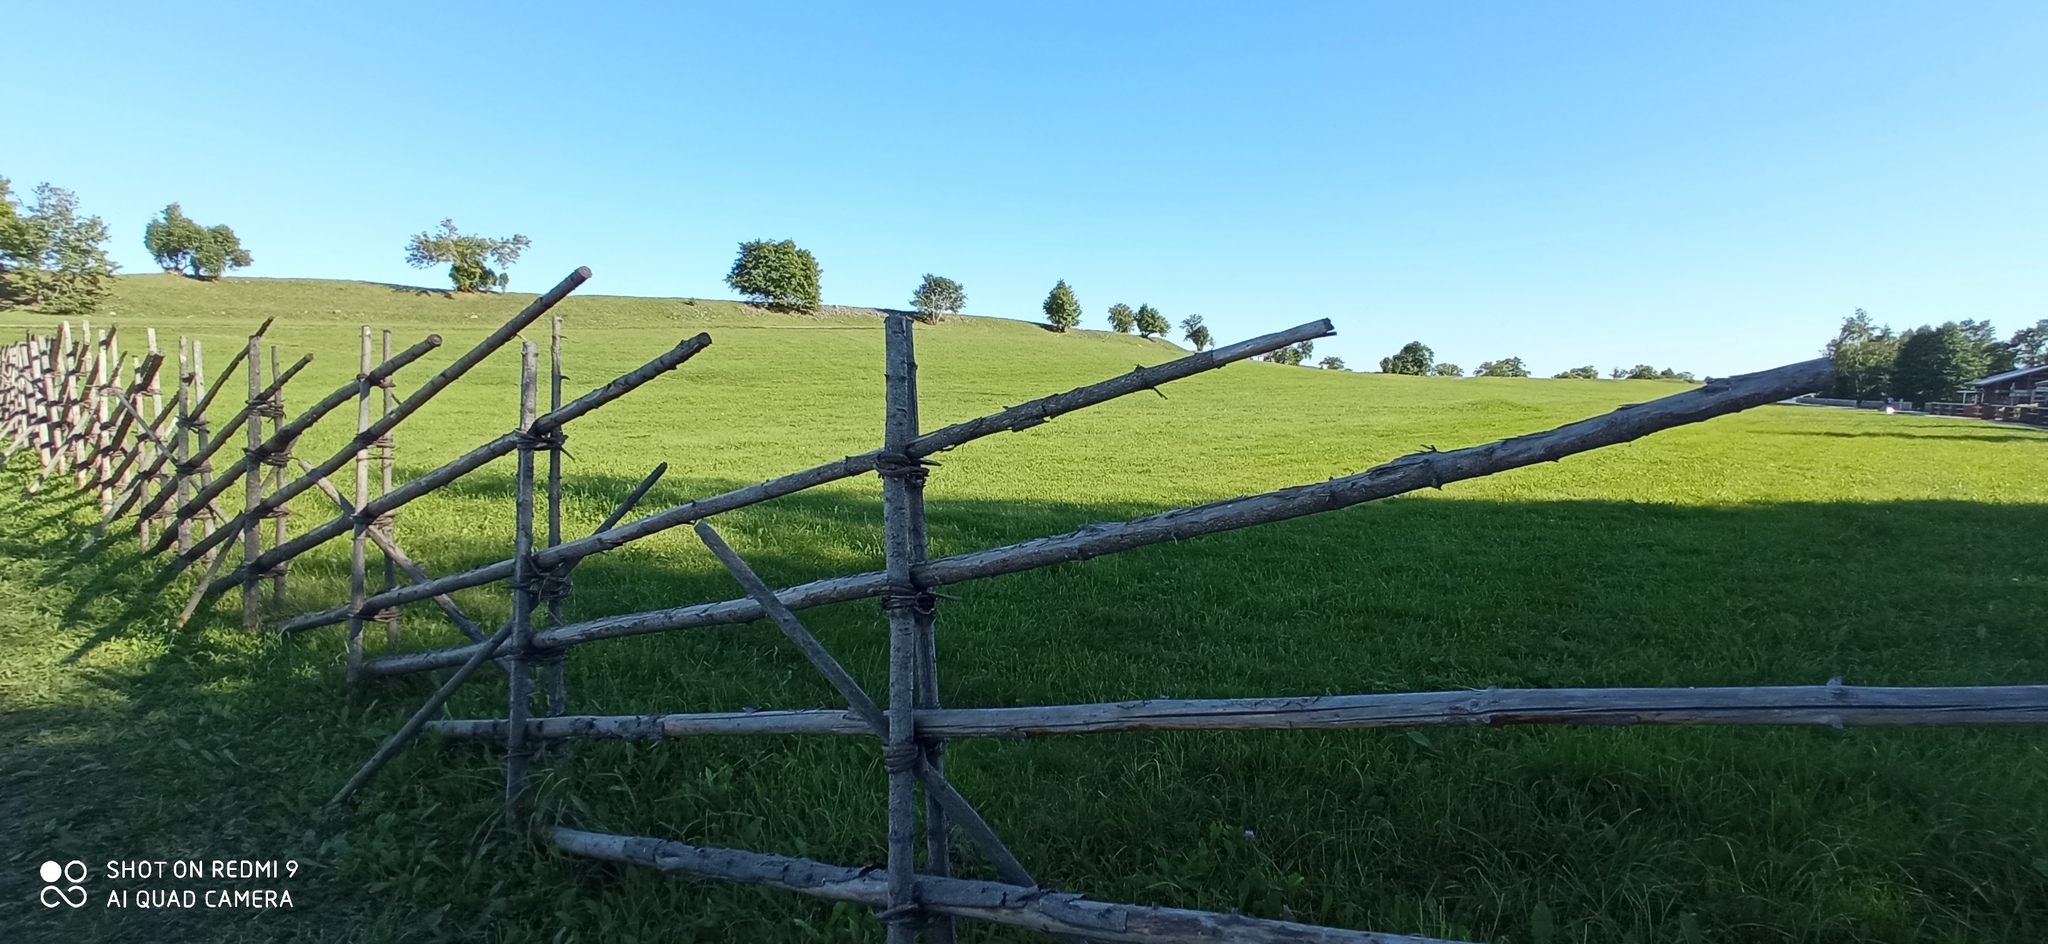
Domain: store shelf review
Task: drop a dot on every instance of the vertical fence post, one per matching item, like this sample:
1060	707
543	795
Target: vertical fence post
388	456
202	428
181	443
155	392
901	601
252	481
521	681
558	665
358	563
277	515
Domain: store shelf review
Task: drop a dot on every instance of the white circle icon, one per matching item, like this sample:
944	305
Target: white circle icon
52	871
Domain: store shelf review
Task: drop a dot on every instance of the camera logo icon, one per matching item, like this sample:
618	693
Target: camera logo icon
72	873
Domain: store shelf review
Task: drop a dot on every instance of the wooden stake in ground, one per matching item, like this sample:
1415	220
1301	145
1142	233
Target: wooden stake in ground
901	602
181	441
277	478
557	668
517	753
252	480
388	455
357	578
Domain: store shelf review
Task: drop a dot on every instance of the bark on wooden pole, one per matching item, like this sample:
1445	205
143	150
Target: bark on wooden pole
1034	413
358	576
412	404
901	602
411	729
1406	474
517	754
1019	906
557	669
181	442
1832	705
389	520
252	486
277	476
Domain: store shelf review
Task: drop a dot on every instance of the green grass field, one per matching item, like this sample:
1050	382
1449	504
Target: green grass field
1781	546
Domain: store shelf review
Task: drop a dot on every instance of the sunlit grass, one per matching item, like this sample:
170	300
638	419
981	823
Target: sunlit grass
1780	546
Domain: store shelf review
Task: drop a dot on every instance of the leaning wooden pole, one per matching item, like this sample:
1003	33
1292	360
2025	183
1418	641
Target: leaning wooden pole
1429	469
1019	906
1023	416
410	405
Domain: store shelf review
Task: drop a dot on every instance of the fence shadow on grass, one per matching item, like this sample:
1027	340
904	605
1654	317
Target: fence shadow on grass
210	741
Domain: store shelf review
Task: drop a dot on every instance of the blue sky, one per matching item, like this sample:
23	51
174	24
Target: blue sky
1711	187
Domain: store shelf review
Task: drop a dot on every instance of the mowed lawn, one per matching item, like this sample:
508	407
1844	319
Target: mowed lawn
1782	546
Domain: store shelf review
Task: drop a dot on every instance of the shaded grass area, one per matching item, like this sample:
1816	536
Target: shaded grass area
1782	546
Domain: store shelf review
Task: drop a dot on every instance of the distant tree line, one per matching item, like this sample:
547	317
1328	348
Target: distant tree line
1928	363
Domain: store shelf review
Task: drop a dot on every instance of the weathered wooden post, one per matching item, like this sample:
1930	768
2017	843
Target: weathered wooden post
282	454
252	479
357	576
520	685
181	441
557	663
388	454
902	601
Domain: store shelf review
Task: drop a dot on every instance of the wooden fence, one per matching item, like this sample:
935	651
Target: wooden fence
85	412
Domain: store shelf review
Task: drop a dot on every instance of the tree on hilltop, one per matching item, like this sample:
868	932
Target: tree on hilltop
1331	363
1447	370
1414	358
776	275
178	243
1195	332
1151	323
1293	354
466	256
1062	310
1505	367
1588	372
1121	318
936	297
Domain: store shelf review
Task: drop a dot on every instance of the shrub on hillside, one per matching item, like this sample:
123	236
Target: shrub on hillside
1447	370
1197	333
1121	318
1332	363
776	275
1062	310
937	297
1588	372
468	257
1296	355
178	243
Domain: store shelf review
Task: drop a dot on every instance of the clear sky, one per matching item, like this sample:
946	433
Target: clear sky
1709	186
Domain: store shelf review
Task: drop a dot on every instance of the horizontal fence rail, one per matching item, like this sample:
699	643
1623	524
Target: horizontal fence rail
1832	705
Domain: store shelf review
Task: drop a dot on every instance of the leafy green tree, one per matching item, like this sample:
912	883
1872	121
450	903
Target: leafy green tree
1121	318
936	297
1062	310
1638	372
1999	356
1577	373
466	256
178	243
51	256
1414	358
1862	354
1151	322
1195	332
1447	370
1669	374
2029	345
1934	363
1331	363
1505	367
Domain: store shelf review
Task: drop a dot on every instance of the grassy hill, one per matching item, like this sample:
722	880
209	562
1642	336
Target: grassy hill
1784	545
